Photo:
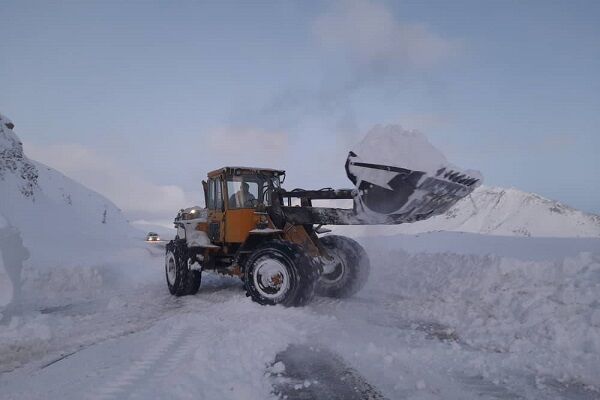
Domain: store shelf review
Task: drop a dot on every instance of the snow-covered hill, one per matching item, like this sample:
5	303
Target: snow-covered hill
49	221
502	212
511	212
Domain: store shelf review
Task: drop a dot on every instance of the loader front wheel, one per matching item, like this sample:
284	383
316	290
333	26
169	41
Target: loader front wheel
181	280
280	272
347	269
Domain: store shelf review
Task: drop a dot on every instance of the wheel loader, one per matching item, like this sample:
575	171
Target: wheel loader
276	241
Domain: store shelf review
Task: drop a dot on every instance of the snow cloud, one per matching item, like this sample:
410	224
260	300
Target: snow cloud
132	192
368	33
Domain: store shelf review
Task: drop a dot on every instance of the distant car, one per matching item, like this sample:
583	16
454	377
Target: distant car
152	237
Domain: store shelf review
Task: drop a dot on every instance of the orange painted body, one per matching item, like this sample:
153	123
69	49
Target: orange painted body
238	223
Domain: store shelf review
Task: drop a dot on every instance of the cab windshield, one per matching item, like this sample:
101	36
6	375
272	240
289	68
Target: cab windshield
248	191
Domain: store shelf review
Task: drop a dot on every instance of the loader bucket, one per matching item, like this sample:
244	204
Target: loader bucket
404	195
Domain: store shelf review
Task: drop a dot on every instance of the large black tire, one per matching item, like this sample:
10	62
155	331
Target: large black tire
351	271
180	279
295	272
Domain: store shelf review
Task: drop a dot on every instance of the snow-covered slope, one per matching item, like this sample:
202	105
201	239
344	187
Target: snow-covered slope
511	212
49	220
502	212
46	206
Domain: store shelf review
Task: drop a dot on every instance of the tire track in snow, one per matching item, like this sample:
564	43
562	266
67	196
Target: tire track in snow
184	347
138	369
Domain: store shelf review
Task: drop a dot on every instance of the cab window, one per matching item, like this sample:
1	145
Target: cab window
242	193
248	191
215	194
210	196
218	194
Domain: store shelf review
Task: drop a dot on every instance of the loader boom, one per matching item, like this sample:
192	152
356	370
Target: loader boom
410	196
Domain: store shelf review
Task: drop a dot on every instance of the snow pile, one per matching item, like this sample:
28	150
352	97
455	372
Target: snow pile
395	146
544	314
62	225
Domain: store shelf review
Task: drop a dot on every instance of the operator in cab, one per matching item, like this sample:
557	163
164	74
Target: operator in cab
241	198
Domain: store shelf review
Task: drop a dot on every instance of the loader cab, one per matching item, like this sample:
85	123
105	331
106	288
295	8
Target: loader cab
235	198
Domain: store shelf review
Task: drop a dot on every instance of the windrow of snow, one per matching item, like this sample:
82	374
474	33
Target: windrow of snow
544	314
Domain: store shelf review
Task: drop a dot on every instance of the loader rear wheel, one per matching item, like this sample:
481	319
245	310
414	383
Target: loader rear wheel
348	270
280	272
181	280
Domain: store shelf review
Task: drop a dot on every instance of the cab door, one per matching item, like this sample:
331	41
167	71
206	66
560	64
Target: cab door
216	210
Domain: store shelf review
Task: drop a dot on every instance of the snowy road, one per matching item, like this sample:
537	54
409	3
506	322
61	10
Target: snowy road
143	343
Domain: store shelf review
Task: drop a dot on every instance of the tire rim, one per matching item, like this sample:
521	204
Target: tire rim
271	278
171	268
336	273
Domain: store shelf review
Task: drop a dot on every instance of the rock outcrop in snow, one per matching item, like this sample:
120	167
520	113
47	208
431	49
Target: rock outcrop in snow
13	161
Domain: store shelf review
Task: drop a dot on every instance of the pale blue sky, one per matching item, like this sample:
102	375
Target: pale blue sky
511	88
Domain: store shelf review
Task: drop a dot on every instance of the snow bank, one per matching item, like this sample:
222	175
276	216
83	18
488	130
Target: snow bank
12	255
57	303
522	248
544	314
115	271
